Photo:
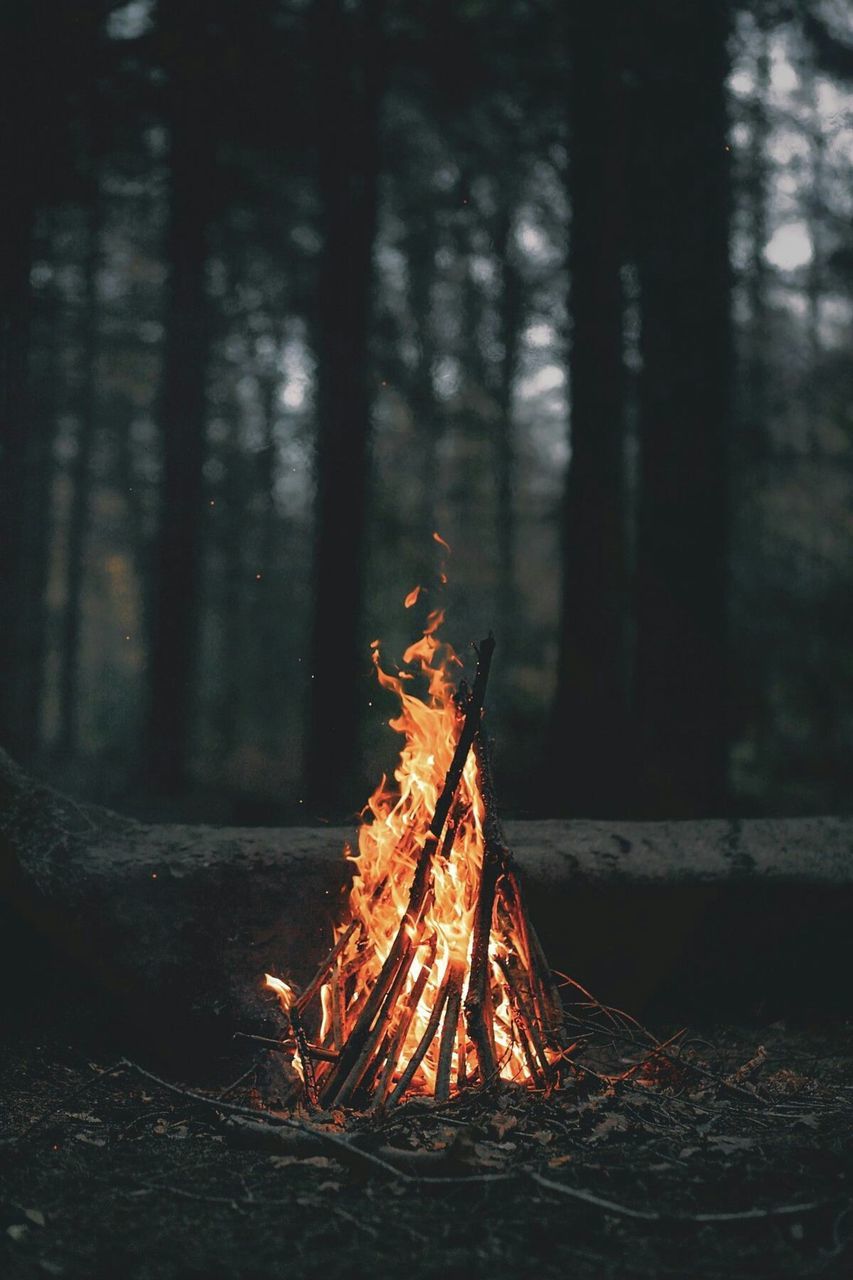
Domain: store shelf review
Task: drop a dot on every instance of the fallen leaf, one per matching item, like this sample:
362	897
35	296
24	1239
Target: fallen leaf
610	1124
502	1122
89	1141
556	1161
543	1137
490	1154
18	1231
315	1162
35	1215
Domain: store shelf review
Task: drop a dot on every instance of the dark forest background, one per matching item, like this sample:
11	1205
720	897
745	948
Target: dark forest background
286	285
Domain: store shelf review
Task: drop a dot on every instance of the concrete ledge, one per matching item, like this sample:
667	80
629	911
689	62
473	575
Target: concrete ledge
179	922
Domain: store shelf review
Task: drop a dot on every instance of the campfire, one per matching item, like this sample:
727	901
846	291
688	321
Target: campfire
436	980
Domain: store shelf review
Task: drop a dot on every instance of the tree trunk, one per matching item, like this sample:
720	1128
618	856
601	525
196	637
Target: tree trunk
46	382
587	733
683	195
267	664
17	222
177	563
511	315
81	487
348	76
420	252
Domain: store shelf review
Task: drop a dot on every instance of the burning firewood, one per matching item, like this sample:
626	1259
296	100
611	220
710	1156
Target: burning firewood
436	980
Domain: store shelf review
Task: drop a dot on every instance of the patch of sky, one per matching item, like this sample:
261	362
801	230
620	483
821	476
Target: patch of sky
790	247
129	21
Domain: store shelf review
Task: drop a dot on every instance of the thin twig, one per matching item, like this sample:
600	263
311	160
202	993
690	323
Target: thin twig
650	1215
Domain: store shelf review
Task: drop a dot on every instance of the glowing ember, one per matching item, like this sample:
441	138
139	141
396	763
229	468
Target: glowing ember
436	979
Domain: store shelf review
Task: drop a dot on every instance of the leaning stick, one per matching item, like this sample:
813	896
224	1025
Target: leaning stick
343	1092
304	1056
336	996
320	976
402	1029
495	856
425	1041
525	1019
448	1030
477	996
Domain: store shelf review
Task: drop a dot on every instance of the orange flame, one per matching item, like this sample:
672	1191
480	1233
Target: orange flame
412	597
287	999
394	826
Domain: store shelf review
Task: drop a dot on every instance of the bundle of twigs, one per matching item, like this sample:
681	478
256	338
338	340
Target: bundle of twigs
359	1061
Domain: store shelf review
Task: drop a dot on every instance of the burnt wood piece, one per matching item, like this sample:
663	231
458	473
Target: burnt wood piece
179	923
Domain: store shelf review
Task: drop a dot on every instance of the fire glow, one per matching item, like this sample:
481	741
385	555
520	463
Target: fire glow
436	979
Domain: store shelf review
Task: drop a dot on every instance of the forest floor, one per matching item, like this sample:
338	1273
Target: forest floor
104	1173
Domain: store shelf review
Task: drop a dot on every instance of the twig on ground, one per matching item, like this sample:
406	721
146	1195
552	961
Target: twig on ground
650	1215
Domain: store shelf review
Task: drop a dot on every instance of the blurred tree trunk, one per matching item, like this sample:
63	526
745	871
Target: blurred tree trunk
349	70
47	341
175	599
267	629
757	197
420	258
511	314
682	177
80	474
233	522
18	162
584	772
816	210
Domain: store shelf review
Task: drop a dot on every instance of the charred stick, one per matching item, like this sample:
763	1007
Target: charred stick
402	1029
348	1074
448	1030
520	1028
317	1051
336	996
377	1036
476	998
461	1044
543	991
425	1042
367	1007
547	979
320	976
525	1017
304	1055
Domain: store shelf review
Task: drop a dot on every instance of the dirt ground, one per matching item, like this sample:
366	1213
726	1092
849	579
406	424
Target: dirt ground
104	1173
